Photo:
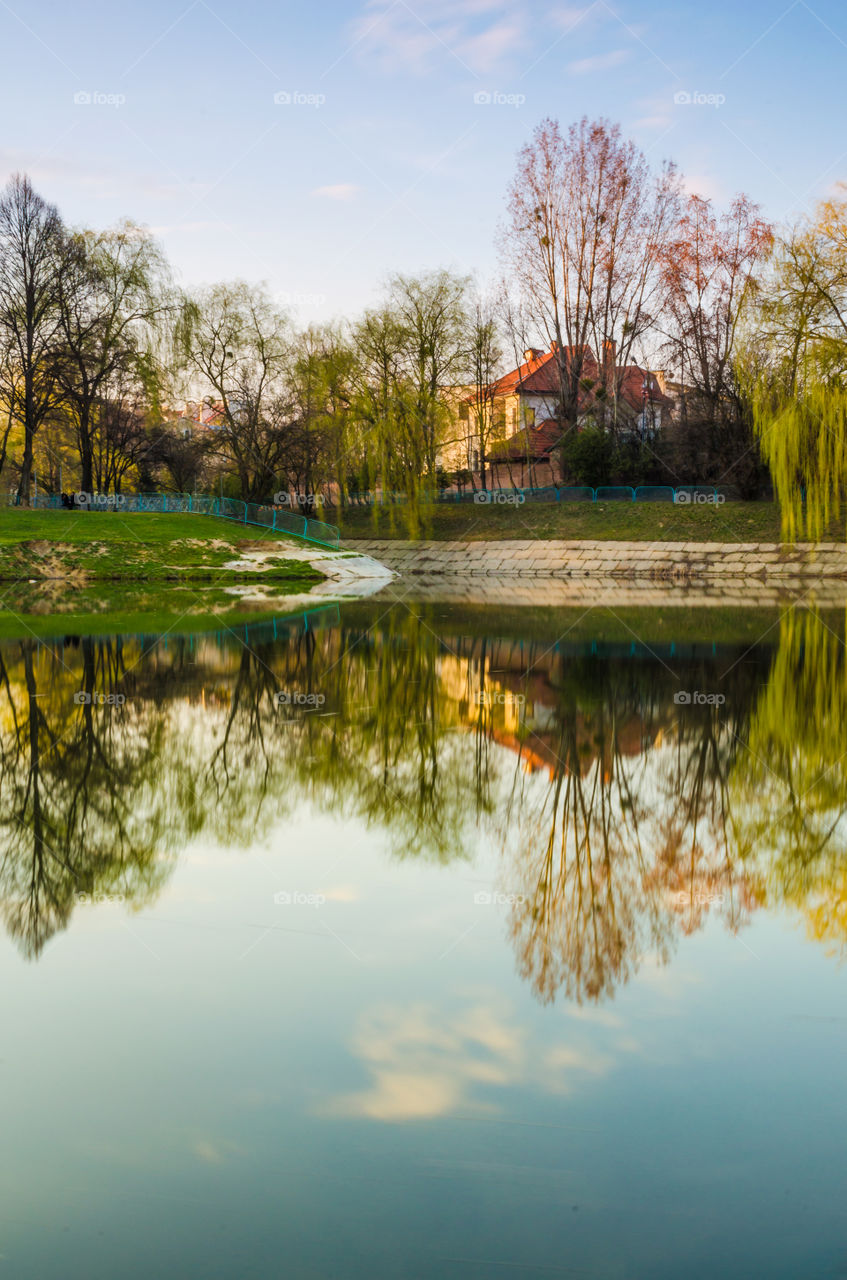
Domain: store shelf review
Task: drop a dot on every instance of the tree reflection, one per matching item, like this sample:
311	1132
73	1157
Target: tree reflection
76	790
790	784
622	848
623	818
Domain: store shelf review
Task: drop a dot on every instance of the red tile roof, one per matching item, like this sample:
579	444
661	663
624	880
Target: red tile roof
631	383
538	442
540	375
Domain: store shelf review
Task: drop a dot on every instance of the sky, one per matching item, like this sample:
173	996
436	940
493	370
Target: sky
322	146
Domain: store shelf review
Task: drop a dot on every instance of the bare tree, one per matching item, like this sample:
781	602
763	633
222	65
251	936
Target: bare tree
711	268
484	357
588	222
32	254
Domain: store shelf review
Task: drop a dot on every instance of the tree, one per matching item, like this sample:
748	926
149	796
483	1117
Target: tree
239	344
588	224
322	376
484	357
113	296
432	323
794	368
407	352
711	268
392	450
33	247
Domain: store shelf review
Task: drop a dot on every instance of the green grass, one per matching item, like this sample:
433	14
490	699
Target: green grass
33	610
619	521
92	526
100	546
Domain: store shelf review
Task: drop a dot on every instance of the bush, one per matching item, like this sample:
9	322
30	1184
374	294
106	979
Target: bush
587	456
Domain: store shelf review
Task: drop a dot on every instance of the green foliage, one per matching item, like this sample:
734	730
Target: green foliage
587	455
793	371
803	438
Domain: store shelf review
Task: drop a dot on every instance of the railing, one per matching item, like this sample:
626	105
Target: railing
201	504
284	520
682	494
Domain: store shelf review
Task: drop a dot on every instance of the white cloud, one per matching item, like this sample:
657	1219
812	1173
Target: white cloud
705	185
487	50
477	34
424	1063
570	16
340	191
652	122
601	62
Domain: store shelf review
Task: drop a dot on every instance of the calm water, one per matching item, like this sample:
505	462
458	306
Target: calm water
502	945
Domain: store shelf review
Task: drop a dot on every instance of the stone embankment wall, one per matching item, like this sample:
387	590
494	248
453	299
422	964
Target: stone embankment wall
684	562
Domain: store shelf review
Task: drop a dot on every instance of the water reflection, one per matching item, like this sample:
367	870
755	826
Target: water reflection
622	815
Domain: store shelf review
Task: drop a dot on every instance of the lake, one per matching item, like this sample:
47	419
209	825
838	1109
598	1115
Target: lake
408	939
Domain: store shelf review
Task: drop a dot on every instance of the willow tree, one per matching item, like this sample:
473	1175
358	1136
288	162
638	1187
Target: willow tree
114	296
409	351
789	787
794	367
237	345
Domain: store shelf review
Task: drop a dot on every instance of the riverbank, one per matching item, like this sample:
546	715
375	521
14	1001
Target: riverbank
572	521
780	564
84	547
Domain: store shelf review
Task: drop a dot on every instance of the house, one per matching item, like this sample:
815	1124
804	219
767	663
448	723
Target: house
522	416
190	415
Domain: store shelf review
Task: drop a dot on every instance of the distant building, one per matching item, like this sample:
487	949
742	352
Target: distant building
522	422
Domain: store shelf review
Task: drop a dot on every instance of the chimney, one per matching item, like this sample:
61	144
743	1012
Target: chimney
532	353
610	353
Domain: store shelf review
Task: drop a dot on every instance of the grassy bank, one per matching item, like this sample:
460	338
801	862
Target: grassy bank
39	610
616	521
83	547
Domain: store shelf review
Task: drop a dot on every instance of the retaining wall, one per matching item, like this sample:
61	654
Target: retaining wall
705	562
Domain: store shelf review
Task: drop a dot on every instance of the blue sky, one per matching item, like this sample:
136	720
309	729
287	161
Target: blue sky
385	158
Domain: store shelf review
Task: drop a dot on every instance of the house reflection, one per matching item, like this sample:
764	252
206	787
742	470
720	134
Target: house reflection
623	819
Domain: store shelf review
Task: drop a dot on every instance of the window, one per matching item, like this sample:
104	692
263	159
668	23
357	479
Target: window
464	411
529	416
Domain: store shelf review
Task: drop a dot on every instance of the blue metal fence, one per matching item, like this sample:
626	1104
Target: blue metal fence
696	493
201	504
286	521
